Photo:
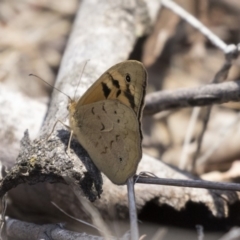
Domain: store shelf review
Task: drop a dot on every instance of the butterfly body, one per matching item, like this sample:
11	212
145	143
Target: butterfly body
106	120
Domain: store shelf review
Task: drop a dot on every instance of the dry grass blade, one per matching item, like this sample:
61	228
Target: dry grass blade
79	220
92	211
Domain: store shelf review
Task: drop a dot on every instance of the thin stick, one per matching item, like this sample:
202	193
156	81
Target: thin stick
191	97
220	76
200	137
197	24
132	210
188	136
188	183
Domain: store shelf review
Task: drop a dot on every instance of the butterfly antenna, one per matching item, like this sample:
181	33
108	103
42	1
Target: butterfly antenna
85	64
50	85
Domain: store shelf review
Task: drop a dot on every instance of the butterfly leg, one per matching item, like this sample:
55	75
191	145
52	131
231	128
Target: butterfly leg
69	142
68	128
65	125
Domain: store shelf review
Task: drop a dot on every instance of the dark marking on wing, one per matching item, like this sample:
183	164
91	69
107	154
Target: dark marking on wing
118	120
103	108
115	112
117	137
103	127
96	144
93	111
130	97
106	90
120	159
111	143
118	93
114	81
105	150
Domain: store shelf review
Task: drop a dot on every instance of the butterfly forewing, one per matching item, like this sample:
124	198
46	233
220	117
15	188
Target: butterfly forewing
125	82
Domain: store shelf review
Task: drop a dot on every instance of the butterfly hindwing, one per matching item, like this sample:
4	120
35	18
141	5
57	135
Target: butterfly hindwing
113	137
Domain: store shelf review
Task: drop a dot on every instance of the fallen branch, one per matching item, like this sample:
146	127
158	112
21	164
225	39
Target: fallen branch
191	97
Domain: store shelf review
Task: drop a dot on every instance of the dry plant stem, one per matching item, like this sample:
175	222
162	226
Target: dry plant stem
196	24
187	139
132	210
189	183
30	231
91	210
220	76
192	97
96	218
200	138
76	219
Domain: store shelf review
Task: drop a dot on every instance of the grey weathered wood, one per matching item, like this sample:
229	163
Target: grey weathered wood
191	97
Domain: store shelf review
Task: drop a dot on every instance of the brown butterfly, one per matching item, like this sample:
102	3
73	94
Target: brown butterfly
106	120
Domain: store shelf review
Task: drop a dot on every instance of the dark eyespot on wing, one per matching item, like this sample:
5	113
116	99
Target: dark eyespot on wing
128	78
106	90
115	112
118	93
120	159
